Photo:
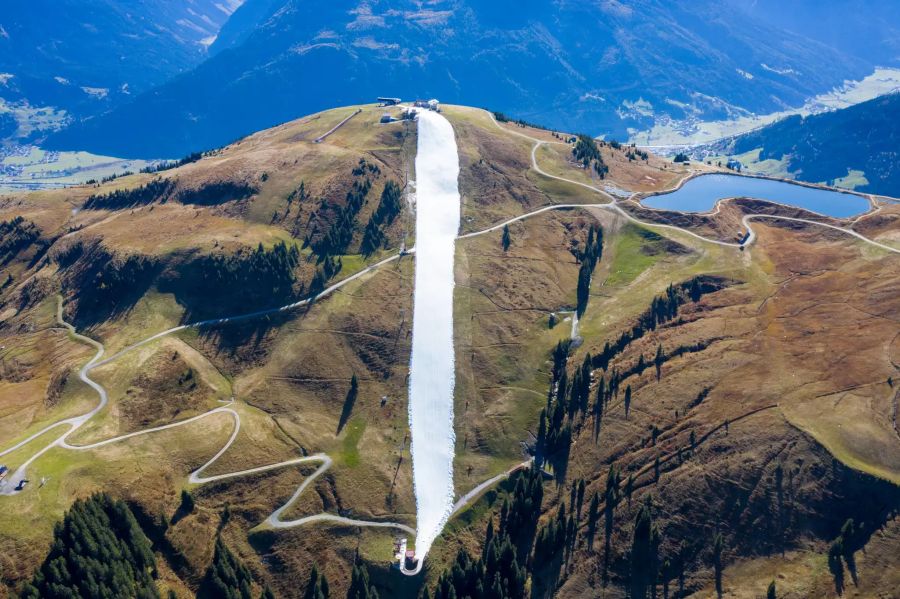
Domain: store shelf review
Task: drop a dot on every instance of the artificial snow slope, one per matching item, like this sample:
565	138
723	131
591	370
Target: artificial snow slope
432	372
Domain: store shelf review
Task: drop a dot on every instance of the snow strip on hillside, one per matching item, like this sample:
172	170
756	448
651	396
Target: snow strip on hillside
432	375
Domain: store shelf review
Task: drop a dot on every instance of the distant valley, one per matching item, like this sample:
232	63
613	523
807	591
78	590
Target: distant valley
856	147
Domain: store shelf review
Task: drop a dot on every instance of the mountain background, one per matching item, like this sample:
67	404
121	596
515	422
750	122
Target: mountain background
159	78
602	67
86	56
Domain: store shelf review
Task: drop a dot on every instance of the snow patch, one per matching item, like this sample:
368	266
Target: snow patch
778	71
96	92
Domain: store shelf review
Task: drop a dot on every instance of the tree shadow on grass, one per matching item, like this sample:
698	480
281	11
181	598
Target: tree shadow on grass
349	402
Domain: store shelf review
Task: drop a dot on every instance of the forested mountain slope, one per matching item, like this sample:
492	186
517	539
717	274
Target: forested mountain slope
601	67
862	141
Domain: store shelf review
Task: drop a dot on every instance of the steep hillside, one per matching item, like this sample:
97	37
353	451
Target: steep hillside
855	147
600	67
729	415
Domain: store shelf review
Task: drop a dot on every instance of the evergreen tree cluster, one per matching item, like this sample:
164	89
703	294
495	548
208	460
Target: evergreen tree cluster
227	577
585	149
360	587
593	252
157	189
170	164
644	554
317	587
552	544
16	235
216	192
588	154
388	208
564	401
243	281
502	569
558	537
332	236
98	551
634	153
329	267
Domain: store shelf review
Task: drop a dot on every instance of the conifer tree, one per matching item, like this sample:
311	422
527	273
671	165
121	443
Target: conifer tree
506	238
579	499
718	548
317	587
658	361
593	515
627	400
611	499
643	553
187	501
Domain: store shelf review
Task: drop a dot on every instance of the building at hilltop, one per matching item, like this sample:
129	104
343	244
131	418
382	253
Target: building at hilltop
432	104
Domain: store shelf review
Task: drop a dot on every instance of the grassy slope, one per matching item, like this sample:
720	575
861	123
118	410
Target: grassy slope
283	415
